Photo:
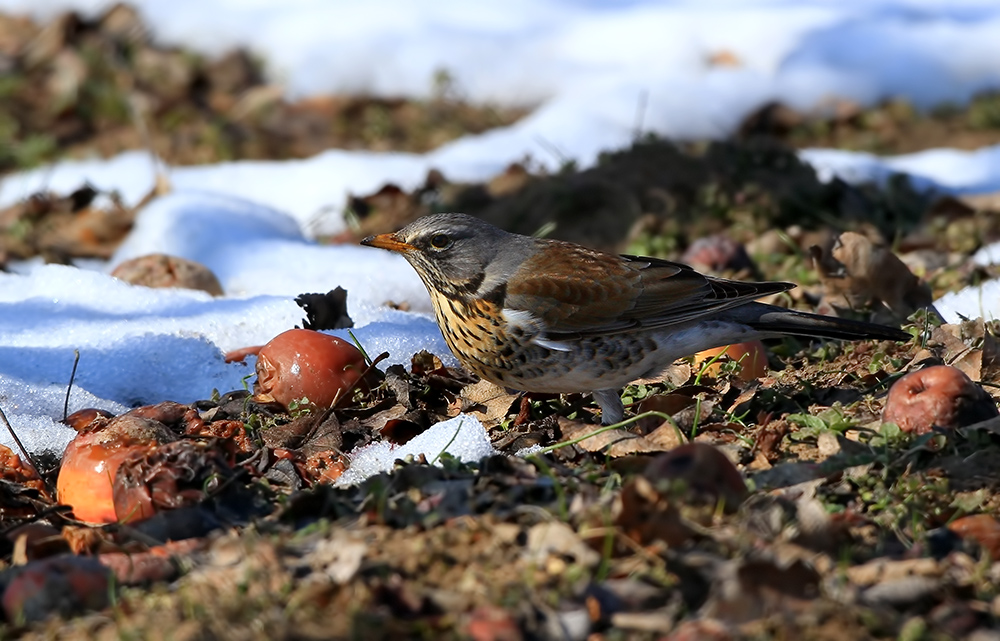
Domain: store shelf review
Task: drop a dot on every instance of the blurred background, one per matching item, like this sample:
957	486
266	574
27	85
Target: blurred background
639	126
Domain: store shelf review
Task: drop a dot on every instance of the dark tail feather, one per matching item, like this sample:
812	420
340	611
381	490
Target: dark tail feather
779	321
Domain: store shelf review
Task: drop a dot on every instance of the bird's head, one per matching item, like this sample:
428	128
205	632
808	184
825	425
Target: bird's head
456	254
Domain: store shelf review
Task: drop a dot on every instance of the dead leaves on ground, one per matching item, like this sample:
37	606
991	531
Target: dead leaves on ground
60	228
99	84
858	274
655	515
681	543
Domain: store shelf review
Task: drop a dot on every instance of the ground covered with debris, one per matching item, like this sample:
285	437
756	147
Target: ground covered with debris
791	490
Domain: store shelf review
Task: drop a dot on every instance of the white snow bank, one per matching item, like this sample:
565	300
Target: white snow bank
140	345
463	437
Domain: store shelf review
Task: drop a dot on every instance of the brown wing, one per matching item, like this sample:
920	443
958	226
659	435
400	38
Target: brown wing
578	291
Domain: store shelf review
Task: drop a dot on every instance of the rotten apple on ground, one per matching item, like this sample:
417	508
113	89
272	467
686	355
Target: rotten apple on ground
91	461
307	367
131	467
938	396
63	584
751	356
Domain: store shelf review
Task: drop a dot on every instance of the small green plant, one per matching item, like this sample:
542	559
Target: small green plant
357	343
636	393
300	407
812	425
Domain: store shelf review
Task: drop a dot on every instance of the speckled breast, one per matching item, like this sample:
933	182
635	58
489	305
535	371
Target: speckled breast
476	333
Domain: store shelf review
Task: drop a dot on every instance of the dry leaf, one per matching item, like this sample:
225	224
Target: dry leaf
614	443
667	436
555	538
708	473
981	528
646	516
857	274
675	375
488	402
751	588
885	569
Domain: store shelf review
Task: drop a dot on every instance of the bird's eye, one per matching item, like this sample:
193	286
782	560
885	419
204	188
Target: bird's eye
440	241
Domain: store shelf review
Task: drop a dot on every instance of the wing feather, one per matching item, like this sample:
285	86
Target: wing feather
578	292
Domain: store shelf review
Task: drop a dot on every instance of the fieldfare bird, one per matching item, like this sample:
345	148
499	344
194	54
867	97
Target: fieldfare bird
549	316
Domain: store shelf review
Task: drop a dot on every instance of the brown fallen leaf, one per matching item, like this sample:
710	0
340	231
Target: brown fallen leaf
63	227
553	538
386	210
314	432
745	589
768	441
615	442
33	541
708	473
883	569
511	180
970	347
488	402
681	405
981	528
646	515
380	419
423	362
667	436
858	274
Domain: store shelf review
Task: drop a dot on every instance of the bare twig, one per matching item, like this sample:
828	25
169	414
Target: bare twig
378	359
69	388
30	462
39	515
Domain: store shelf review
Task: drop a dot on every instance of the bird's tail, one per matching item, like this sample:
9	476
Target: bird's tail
778	321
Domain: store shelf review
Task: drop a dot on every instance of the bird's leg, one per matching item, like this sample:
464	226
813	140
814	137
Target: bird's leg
610	402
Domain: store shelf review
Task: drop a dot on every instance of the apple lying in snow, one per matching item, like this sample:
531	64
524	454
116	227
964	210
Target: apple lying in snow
304	364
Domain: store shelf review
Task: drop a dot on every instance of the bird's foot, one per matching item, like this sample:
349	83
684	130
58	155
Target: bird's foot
610	402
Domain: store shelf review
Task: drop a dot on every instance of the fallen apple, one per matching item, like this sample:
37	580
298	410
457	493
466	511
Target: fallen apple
941	396
91	460
751	356
307	367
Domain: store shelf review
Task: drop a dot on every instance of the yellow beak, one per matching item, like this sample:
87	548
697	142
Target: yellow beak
388	241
